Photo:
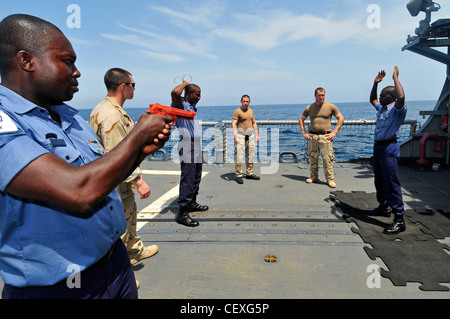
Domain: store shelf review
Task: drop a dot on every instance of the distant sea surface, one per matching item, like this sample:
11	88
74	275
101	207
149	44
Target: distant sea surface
289	112
348	145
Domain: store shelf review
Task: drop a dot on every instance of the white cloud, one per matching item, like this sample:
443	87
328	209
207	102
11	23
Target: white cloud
210	30
204	16
274	28
283	27
164	44
84	42
242	75
163	56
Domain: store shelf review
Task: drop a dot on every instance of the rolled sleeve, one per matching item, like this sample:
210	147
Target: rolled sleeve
16	152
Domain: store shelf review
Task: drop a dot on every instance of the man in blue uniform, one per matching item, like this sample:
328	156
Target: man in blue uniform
60	216
391	114
190	150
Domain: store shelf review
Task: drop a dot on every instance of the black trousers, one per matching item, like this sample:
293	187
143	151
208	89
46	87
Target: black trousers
191	173
110	278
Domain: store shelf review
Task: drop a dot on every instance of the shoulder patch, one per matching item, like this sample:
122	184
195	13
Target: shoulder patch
6	124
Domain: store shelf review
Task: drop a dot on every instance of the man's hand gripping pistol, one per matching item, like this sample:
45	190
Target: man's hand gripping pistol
171	111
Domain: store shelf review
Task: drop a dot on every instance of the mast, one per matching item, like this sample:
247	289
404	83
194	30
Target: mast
427	38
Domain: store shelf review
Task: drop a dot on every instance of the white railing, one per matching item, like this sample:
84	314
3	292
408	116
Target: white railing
354	141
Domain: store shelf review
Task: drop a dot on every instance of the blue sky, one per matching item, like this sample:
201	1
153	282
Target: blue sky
278	52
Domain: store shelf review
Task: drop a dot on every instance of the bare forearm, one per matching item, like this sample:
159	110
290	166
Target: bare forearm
373	94
400	93
301	122
176	94
50	179
339	124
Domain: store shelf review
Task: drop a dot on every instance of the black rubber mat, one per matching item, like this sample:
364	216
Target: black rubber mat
411	256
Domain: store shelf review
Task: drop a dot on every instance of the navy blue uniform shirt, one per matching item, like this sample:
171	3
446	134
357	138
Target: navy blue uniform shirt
41	244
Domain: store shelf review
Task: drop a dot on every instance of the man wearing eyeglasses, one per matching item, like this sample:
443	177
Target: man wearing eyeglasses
112	124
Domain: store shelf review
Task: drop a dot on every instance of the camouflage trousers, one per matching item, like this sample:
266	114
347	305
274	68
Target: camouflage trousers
319	145
130	238
247	147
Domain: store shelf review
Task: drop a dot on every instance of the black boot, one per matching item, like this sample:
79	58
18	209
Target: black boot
183	218
193	206
381	210
396	227
196	207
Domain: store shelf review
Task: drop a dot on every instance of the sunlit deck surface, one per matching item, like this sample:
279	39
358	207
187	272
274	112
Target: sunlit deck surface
317	255
277	238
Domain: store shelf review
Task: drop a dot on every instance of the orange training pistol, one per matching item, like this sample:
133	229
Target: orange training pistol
171	111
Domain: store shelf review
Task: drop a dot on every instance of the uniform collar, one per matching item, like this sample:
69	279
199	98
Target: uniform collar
19	105
117	106
14	102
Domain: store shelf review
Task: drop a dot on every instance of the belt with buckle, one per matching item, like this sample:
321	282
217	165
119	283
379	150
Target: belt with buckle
107	257
319	133
386	142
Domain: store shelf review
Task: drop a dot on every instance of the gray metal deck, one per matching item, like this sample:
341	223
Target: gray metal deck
317	255
279	217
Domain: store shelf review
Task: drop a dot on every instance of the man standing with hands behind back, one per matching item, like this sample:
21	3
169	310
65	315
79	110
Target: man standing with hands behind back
386	152
111	123
243	124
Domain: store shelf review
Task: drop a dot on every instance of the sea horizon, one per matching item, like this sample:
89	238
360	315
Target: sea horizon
350	110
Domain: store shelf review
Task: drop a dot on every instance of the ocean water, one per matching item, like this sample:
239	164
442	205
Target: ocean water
291	112
352	142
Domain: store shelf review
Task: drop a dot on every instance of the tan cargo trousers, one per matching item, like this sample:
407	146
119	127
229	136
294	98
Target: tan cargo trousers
130	237
247	147
317	146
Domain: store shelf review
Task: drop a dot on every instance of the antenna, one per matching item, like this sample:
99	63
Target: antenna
416	6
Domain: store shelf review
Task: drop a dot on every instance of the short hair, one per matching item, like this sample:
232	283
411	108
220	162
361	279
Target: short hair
115	77
245	95
319	89
190	88
23	32
391	91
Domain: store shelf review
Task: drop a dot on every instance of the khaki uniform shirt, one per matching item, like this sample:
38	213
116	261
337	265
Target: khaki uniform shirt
321	116
111	124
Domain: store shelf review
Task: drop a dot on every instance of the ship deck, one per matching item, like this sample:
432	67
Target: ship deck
311	249
277	238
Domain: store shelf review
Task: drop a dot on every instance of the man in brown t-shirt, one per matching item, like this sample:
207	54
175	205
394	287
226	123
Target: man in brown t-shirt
320	137
245	131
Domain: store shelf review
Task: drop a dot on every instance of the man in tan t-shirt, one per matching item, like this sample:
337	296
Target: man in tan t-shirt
243	124
320	137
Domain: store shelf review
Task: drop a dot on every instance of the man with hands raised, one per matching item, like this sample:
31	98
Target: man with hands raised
391	110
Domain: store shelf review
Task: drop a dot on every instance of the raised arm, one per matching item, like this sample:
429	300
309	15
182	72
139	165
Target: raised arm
373	93
79	189
400	102
176	93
